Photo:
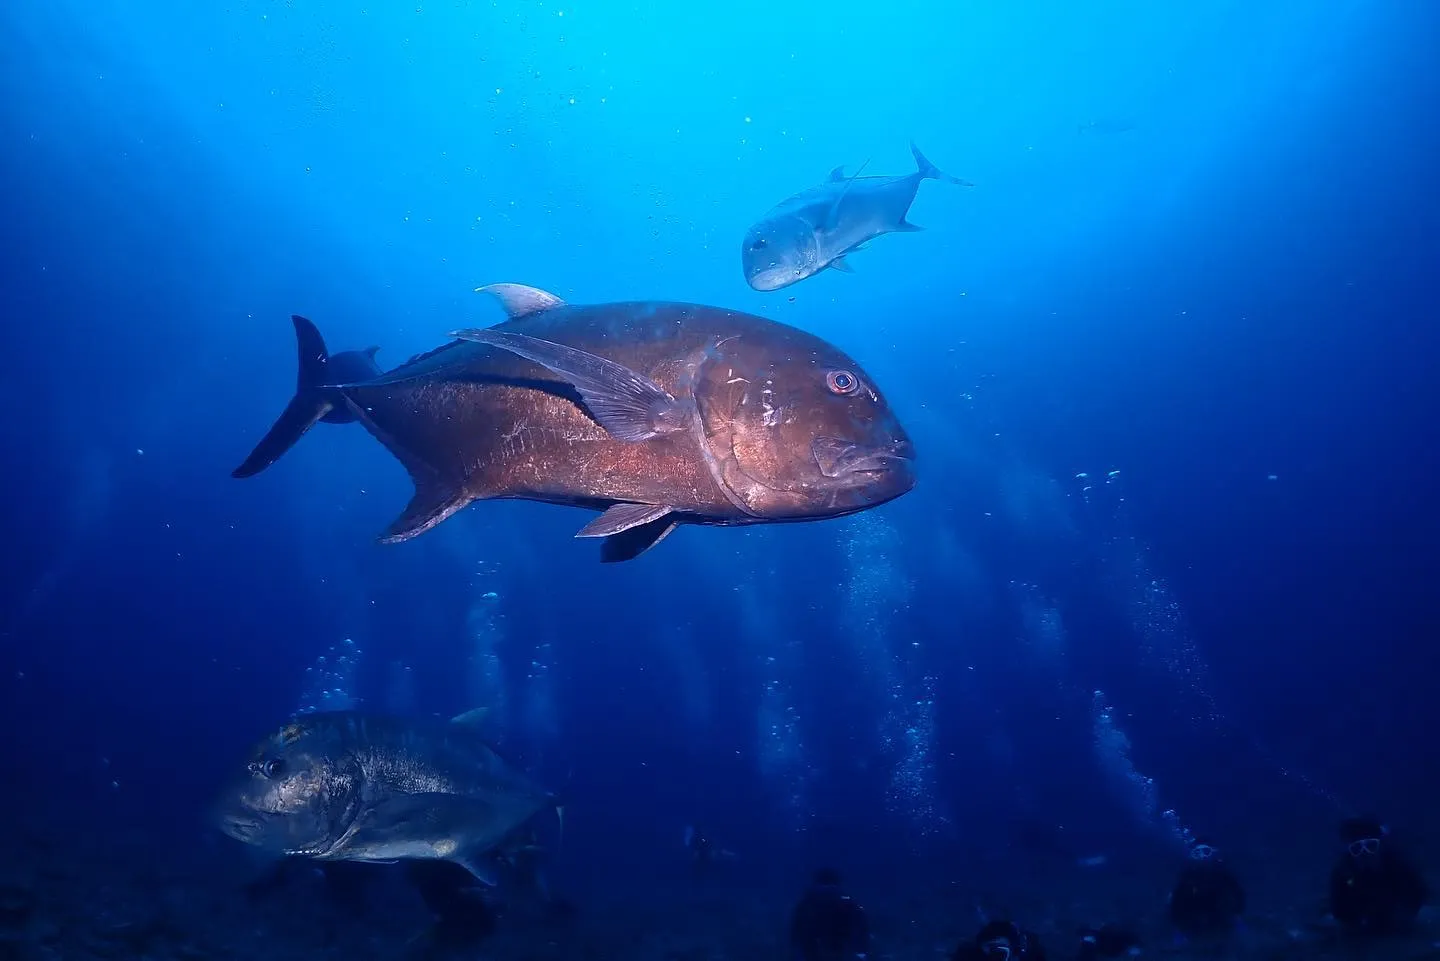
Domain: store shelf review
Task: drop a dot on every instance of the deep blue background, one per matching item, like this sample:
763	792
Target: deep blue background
1240	285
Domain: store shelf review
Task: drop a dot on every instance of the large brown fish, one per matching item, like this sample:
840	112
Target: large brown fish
657	414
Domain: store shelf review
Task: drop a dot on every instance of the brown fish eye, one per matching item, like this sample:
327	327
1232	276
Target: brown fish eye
758	244
842	381
272	768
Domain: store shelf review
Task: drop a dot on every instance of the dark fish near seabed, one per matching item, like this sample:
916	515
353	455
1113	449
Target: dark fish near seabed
657	414
348	786
816	228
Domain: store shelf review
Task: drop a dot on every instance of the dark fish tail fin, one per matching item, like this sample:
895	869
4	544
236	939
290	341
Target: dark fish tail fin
929	171
310	403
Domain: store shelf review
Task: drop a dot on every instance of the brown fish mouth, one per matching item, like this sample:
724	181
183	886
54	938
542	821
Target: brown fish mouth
840	458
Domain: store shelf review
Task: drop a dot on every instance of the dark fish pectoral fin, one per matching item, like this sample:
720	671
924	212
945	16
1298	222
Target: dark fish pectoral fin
631	543
620	518
519	300
432	503
630	406
839	264
310	403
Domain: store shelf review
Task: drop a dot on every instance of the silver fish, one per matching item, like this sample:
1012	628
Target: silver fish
348	786
817	228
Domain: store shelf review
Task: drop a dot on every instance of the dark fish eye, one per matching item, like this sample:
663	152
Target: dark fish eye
273	768
841	382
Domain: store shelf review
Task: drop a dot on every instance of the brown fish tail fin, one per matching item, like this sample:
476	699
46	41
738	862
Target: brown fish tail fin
310	403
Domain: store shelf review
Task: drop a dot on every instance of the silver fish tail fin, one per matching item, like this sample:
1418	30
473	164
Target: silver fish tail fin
311	402
929	171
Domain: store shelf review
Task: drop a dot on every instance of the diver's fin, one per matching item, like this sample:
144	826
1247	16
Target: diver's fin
906	227
630	406
630	544
837	174
619	518
310	403
432	503
839	264
929	171
521	301
473	716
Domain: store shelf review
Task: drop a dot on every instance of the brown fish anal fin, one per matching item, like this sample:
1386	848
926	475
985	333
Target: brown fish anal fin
432	503
839	264
519	300
906	227
619	518
630	544
628	405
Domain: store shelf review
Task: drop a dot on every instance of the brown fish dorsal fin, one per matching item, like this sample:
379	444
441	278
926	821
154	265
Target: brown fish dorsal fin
521	301
630	406
619	518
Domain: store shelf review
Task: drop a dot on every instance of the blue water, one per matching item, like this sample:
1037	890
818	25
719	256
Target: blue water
1200	253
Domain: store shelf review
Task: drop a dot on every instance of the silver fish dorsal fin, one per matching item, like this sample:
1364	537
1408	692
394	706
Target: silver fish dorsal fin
519	300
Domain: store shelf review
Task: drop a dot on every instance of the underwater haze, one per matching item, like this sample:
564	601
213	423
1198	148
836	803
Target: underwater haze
1167	359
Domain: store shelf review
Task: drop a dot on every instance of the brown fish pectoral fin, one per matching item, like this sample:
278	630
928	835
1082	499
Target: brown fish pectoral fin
519	300
630	544
432	503
619	518
631	407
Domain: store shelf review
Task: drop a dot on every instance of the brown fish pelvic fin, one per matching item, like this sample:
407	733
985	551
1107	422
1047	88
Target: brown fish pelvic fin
619	518
630	406
433	502
631	543
310	403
